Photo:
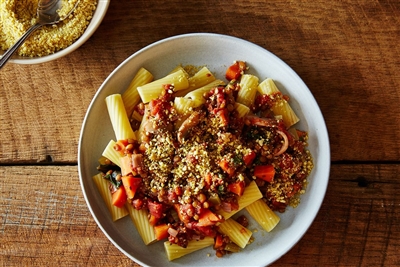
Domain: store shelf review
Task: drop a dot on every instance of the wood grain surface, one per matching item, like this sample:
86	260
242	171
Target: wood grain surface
346	52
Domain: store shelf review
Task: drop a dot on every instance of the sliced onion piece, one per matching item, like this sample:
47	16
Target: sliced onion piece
285	144
172	232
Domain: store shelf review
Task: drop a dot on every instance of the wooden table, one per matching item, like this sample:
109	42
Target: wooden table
347	52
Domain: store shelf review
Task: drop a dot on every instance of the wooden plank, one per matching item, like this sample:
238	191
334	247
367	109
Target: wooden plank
44	221
358	224
359	221
344	52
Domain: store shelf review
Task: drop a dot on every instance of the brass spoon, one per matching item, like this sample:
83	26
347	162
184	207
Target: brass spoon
47	13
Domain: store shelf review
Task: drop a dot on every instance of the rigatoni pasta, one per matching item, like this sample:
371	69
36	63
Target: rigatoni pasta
247	89
140	219
178	80
199	79
119	118
239	234
131	95
251	194
263	214
103	187
174	251
280	106
197	95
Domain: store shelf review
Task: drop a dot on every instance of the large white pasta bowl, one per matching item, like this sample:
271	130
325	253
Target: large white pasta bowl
216	52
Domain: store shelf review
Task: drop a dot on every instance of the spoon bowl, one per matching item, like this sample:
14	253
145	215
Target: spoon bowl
48	12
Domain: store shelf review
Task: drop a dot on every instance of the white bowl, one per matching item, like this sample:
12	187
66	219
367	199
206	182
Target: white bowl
217	52
99	13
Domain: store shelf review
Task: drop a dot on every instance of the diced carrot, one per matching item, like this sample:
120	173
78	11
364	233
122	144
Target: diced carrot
235	71
161	231
224	164
178	210
119	197
131	185
126	165
223	115
237	188
219	241
208	218
249	157
208	180
153	219
265	172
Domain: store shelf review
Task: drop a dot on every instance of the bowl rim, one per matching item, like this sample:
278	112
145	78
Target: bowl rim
99	14
323	134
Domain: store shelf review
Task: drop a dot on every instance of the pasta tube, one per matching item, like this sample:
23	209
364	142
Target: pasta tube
102	185
175	251
142	128
199	79
197	95
141	221
110	153
119	119
242	110
281	107
183	105
248	89
251	194
136	116
262	214
236	232
131	95
152	90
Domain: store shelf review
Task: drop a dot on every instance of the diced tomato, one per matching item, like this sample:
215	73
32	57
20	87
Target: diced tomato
118	198
265	172
126	165
207	218
237	188
296	188
155	106
155	209
249	157
208	180
160	107
161	231
131	185
224	164
207	230
235	71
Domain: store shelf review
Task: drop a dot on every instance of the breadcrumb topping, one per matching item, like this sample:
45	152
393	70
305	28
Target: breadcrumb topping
17	16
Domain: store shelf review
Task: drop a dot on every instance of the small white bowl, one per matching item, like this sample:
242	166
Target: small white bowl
99	13
216	52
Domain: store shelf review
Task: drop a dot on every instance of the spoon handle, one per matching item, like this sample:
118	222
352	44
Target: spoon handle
7	55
